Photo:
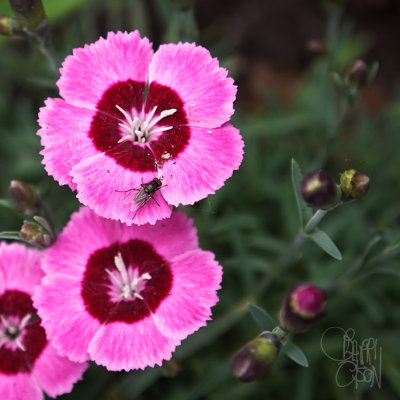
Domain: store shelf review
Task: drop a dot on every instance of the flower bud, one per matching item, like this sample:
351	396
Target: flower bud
319	190
170	368
302	307
256	357
357	74
9	26
354	184
34	234
24	198
316	46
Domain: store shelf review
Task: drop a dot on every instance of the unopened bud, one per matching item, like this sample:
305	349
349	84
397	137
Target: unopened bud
319	190
24	198
354	184
316	46
302	307
357	74
170	368
34	234
29	13
9	26
256	357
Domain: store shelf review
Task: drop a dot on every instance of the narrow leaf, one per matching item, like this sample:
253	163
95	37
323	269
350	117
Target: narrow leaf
303	210
12	235
6	203
295	354
263	319
372	72
325	242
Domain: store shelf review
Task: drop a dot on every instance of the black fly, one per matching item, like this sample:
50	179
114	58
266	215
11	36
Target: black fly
139	197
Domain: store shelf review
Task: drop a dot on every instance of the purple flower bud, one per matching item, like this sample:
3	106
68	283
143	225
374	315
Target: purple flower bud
354	184
303	306
357	74
319	190
256	357
24	198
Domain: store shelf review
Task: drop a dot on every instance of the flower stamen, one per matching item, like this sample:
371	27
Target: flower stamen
139	128
11	332
126	284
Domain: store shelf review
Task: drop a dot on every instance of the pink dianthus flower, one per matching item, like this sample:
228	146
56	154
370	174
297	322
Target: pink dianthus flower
128	115
29	364
125	296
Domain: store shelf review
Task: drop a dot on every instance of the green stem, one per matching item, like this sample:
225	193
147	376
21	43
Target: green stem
315	220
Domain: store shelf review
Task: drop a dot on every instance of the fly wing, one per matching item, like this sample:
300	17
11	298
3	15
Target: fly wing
130	198
140	196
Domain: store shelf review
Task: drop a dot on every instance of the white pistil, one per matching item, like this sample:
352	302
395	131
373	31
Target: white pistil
136	130
12	332
127	283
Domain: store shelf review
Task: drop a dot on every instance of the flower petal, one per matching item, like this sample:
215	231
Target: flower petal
20	267
68	326
170	237
69	254
106	187
55	374
197	277
207	161
91	70
208	94
120	346
64	136
20	386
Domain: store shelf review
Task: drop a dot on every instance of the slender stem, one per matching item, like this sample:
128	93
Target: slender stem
315	220
291	250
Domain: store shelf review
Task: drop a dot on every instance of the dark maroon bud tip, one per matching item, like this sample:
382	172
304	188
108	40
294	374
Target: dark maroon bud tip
24	198
357	74
319	190
303	306
256	357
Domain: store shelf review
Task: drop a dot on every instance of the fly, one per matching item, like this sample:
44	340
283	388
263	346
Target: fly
139	197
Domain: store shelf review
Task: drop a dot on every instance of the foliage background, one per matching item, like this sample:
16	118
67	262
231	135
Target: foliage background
287	106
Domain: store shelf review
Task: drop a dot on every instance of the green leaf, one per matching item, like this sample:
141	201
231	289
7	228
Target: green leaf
338	80
373	70
389	270
303	210
263	319
325	242
6	203
295	353
12	235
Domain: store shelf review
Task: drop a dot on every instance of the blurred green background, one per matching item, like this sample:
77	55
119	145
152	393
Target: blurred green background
282	56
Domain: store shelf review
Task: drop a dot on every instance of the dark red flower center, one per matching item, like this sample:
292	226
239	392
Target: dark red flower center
125	282
140	138
22	339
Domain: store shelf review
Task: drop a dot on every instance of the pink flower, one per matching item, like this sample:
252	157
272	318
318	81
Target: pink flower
28	363
124	296
107	137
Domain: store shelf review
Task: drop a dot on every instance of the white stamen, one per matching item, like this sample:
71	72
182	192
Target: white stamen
127	284
163	114
11	328
139	127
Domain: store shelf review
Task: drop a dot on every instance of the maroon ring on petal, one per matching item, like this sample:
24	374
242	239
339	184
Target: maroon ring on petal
96	282
16	304
128	96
